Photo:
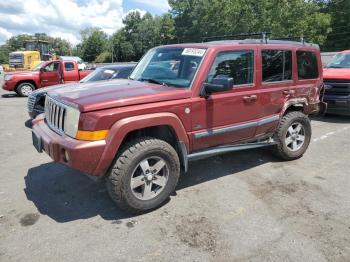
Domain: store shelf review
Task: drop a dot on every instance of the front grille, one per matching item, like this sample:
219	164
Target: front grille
337	87
30	103
54	114
16	59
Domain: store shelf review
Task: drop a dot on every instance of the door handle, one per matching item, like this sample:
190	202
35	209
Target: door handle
289	92
45	80
250	98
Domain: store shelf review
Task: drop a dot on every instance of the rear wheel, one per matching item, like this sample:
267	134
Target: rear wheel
25	89
293	136
144	175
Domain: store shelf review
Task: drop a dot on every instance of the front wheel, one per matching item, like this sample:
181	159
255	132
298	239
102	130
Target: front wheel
144	175
293	136
25	89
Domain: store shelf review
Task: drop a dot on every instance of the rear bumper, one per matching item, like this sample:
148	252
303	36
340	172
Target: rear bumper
82	155
9	86
339	105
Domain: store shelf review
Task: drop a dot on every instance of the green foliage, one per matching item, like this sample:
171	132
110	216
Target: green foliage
339	38
104	57
93	43
195	19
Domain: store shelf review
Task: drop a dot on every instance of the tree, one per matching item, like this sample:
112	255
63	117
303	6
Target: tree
93	44
339	38
195	19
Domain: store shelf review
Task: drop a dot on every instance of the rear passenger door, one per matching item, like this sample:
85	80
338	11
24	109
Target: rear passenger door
70	72
228	116
277	85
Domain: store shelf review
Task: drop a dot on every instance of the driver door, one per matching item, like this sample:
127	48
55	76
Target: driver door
228	116
50	74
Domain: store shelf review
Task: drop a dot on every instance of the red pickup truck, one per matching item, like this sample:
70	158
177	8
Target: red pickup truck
140	133
336	75
46	74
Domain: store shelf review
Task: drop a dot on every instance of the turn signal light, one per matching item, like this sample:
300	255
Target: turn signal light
91	135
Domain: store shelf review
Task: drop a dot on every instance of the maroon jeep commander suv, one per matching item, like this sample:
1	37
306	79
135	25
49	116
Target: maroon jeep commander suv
183	102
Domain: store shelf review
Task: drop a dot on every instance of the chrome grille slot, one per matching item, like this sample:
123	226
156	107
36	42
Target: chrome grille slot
54	114
30	103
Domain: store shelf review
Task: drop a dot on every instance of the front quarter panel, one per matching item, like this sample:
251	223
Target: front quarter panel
126	125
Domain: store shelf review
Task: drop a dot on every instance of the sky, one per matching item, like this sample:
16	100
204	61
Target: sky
65	18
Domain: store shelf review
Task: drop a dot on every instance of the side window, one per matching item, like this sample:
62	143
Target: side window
124	73
236	64
276	65
68	66
52	67
307	65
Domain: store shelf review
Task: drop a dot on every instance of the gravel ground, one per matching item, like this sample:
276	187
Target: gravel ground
244	206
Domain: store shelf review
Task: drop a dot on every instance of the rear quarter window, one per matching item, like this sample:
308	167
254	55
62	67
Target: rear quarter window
276	65
307	65
68	66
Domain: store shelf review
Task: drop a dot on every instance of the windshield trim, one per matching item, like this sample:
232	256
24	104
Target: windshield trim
170	47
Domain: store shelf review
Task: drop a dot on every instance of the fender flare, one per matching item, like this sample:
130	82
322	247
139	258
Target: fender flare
123	127
299	102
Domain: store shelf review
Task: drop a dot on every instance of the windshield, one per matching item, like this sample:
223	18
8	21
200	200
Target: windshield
37	68
100	74
169	66
341	60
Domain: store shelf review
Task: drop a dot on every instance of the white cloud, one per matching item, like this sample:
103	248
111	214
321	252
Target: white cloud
64	18
4	35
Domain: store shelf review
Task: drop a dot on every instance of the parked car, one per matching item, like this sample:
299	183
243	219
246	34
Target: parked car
336	76
141	133
44	75
36	100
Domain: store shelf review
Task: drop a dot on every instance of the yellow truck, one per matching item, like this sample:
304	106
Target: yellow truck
25	60
36	51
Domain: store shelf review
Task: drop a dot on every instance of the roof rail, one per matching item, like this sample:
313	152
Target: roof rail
264	36
300	39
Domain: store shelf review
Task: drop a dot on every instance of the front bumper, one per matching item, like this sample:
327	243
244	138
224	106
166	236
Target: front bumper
9	86
82	155
339	105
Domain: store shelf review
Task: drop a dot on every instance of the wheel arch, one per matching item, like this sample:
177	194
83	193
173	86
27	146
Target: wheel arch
297	104
165	126
26	81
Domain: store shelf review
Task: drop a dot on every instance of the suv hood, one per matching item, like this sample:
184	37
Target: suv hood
115	93
336	73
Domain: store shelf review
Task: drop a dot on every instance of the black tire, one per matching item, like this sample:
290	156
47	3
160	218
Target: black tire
119	177
23	89
284	151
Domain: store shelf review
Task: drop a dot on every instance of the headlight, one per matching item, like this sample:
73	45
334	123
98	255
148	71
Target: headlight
7	77
61	117
71	121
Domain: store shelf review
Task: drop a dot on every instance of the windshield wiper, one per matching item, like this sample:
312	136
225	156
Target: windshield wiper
153	81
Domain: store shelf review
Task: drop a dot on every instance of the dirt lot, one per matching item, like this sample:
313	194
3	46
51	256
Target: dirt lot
245	206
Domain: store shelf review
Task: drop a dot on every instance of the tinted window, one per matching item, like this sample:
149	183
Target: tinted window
307	65
276	65
52	67
236	64
68	66
124	73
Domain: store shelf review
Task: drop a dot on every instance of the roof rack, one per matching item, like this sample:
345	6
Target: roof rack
264	37
300	39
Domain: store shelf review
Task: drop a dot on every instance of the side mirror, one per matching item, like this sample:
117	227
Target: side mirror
42	70
217	85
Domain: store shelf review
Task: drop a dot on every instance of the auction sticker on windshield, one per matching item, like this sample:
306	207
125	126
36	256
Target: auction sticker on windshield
194	52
